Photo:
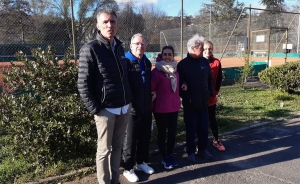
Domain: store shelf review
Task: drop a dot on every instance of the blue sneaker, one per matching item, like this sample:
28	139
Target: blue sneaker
191	157
205	154
167	163
174	163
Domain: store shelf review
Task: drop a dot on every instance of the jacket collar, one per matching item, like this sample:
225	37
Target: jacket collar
192	58
105	42
211	58
131	57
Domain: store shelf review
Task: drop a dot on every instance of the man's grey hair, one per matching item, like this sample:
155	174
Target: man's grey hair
195	41
139	35
107	11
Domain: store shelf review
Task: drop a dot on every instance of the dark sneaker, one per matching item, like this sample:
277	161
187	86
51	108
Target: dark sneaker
167	163
191	157
185	149
174	163
205	154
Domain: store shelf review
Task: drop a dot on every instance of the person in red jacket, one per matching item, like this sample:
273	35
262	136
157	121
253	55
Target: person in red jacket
216	70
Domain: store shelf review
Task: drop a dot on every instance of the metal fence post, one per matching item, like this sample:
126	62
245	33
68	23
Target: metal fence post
181	40
73	30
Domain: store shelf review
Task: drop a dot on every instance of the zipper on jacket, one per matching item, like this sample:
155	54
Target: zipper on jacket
103	94
120	72
145	94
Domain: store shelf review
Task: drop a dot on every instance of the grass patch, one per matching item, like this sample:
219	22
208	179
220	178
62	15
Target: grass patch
236	108
16	169
239	107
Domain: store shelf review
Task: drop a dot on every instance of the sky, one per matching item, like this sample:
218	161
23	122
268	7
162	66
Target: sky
190	7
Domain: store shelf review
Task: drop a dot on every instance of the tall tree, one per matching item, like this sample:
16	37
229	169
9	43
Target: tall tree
153	23
222	14
267	19
85	16
273	4
129	22
221	10
16	20
39	7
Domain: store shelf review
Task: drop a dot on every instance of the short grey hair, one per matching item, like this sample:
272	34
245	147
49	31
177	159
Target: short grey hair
107	11
139	35
195	41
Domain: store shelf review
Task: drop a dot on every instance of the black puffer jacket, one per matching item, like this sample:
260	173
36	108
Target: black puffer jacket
103	76
195	72
141	91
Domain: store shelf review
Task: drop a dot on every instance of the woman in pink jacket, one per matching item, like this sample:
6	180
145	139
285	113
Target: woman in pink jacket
165	82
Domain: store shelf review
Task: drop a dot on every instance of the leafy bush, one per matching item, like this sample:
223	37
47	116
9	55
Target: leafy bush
285	77
245	71
44	117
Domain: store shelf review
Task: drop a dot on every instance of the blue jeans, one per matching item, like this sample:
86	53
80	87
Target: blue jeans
196	123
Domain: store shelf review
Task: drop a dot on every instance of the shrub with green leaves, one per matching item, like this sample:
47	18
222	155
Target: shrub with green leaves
245	71
284	77
44	118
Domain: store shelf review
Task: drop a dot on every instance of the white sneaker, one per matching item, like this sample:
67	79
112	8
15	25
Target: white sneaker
130	176
144	167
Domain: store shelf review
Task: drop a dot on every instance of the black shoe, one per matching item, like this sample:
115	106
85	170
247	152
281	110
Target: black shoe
205	154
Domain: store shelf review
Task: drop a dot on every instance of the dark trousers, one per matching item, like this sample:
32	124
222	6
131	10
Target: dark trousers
196	123
213	121
166	122
137	140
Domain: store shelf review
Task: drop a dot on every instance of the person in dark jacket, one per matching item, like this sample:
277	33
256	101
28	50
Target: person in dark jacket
138	131
194	70
216	70
104	88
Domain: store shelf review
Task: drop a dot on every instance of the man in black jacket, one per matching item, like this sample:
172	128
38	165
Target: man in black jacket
138	132
104	88
195	71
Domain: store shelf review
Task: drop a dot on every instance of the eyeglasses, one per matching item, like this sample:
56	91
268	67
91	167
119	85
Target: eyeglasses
141	44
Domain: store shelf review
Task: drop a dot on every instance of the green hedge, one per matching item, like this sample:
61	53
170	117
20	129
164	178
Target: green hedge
44	118
284	77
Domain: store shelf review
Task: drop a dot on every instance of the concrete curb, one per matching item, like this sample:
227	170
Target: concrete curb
54	178
178	145
261	124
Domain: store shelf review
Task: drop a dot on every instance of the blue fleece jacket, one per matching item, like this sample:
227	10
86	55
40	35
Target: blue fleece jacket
130	56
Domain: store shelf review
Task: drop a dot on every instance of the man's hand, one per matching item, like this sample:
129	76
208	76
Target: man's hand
153	95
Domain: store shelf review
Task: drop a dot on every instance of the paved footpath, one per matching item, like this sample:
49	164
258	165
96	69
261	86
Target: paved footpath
265	155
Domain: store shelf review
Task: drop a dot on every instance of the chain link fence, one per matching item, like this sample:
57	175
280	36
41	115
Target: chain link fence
23	28
260	25
39	25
